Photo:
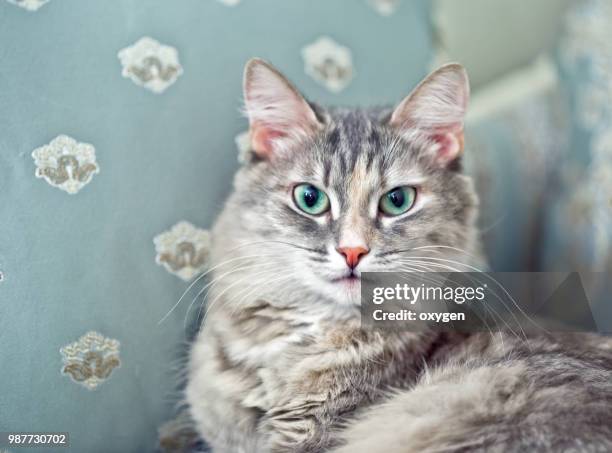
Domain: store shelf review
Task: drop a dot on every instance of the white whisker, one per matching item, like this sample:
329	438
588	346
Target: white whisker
202	276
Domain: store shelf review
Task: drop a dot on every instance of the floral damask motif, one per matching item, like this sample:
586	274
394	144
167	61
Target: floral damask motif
385	7
243	143
65	163
91	359
183	250
329	63
150	64
30	5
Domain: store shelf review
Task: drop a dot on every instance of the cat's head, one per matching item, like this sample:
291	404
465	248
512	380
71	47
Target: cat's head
330	193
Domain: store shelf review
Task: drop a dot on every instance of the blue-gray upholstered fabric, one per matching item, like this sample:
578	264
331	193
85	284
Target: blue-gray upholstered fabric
74	263
577	230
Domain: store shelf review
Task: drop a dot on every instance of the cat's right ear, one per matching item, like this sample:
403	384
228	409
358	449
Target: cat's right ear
435	112
278	114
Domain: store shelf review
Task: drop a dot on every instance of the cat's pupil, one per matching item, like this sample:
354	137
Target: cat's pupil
397	198
311	195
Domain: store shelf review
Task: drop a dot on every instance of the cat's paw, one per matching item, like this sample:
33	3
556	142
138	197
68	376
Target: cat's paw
267	393
288	432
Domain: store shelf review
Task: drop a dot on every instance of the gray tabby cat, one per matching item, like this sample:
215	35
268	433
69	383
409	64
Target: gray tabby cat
282	364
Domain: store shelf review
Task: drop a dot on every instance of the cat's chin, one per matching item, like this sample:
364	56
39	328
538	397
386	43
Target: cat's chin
343	290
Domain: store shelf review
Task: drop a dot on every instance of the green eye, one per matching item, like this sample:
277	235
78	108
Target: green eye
310	199
397	201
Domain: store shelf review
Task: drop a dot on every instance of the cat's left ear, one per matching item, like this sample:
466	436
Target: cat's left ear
435	112
279	116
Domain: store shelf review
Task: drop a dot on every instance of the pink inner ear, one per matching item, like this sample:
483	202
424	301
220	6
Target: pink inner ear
262	138
450	146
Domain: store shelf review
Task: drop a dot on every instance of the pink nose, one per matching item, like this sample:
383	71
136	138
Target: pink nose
352	255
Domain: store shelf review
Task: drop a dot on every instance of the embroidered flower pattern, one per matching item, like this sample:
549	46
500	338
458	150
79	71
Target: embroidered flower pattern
91	359
30	5
328	63
243	143
65	163
150	64
384	7
183	250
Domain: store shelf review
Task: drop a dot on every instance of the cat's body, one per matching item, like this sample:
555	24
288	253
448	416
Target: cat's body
282	363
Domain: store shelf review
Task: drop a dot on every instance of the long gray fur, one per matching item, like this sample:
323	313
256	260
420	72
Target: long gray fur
282	364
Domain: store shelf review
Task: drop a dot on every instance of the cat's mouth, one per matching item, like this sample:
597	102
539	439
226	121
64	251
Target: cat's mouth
350	278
